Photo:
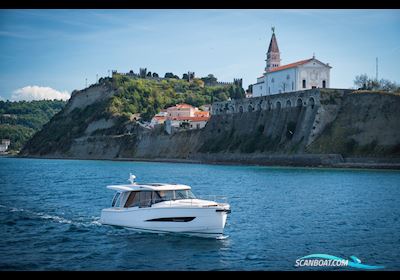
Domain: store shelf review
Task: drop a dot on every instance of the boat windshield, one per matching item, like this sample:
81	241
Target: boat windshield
184	194
148	198
175	195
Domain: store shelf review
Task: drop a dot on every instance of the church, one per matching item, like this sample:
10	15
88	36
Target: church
300	75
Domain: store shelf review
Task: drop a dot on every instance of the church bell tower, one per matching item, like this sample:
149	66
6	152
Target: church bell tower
273	56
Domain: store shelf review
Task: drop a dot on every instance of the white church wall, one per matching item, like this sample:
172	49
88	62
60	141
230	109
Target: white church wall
281	81
314	73
258	89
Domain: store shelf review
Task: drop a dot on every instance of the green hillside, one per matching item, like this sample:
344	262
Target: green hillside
20	120
149	96
121	99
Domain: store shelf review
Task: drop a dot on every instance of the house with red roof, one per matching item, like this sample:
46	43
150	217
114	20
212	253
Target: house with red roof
301	75
185	116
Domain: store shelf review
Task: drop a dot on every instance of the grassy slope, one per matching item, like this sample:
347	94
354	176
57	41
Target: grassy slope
20	120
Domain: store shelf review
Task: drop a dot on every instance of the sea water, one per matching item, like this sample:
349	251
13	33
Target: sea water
50	211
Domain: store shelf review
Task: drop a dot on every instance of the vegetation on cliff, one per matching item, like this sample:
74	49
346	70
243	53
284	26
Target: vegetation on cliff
364	82
149	96
130	98
20	120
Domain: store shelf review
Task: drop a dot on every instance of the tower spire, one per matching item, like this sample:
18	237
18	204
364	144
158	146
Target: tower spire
273	55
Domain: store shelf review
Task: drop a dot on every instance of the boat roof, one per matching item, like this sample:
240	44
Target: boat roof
149	186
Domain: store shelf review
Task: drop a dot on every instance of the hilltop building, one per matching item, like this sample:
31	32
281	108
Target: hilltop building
300	75
181	116
159	118
5	143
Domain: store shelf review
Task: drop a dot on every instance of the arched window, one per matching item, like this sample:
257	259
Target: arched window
323	84
278	105
288	103
304	83
240	109
299	102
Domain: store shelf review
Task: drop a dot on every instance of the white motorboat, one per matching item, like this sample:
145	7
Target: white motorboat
158	207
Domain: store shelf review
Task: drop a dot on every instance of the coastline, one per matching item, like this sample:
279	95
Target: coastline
305	161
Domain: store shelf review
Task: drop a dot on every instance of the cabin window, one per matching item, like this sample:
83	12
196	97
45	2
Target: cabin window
165	196
184	194
304	83
145	199
323	84
133	200
116	200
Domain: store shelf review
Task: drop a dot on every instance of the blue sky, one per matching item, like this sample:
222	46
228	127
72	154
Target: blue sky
59	49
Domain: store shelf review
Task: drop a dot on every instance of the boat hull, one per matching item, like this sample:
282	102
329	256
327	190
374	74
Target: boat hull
207	222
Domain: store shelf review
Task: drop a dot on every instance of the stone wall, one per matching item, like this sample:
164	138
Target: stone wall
311	97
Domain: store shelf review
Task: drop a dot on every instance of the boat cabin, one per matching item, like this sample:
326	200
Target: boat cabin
135	195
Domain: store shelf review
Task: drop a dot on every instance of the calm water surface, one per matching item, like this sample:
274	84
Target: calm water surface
49	213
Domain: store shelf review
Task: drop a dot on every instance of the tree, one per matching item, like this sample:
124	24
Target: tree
209	80
185	77
155	75
362	81
387	85
169	75
366	83
236	92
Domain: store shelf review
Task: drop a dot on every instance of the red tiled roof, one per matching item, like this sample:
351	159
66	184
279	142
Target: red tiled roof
159	117
291	65
201	113
193	119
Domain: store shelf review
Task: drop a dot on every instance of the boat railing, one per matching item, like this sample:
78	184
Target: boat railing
216	198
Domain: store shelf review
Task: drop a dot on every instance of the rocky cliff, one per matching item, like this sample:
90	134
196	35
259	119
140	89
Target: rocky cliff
314	127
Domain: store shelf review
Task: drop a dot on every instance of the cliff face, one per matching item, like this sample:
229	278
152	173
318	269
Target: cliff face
325	122
367	124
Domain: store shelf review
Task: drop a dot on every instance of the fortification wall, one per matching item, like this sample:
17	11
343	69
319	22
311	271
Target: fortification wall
303	98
